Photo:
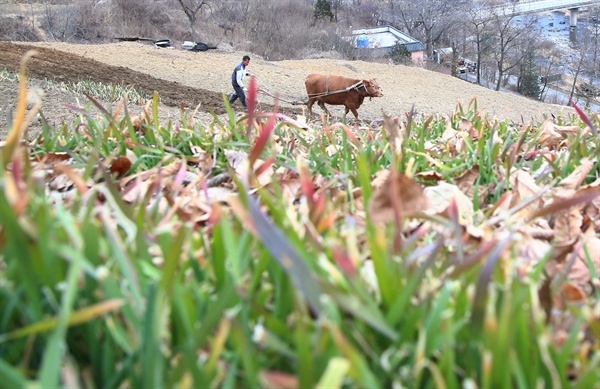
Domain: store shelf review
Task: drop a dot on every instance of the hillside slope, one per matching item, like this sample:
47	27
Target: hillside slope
202	77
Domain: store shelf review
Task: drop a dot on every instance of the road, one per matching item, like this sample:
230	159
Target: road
531	7
524	8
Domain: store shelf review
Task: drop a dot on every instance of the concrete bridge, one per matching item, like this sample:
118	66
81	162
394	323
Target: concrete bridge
539	6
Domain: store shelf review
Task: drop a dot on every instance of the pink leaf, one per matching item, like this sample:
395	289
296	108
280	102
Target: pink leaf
585	119
261	141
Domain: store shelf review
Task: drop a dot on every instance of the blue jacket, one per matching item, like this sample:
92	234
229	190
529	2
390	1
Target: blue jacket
237	77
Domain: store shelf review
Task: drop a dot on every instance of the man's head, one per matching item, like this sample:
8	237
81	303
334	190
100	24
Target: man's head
246	60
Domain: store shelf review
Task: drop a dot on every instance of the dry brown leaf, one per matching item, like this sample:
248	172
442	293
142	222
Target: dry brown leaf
398	193
592	210
171	169
190	208
570	130
236	159
466	184
240	164
578	175
290	189
61	182
120	166
530	252
524	187
568	293
572	293
380	178
549	137
466	181
450	137
118	109
430	175
439	197
137	122
394	134
568	222
219	194
466	126
580	273
203	158
567	227
137	189
51	158
449	131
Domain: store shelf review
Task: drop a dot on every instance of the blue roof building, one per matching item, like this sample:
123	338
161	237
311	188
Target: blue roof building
380	41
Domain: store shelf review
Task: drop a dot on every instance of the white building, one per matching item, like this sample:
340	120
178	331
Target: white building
380	41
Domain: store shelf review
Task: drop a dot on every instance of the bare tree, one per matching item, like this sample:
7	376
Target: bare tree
481	38
509	43
192	9
426	20
593	33
230	15
549	65
274	29
59	22
585	64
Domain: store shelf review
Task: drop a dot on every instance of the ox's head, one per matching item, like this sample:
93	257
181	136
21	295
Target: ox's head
373	88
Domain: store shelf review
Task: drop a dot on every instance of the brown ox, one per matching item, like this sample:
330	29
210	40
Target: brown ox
339	90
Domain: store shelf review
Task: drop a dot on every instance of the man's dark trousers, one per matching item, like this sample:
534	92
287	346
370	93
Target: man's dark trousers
239	93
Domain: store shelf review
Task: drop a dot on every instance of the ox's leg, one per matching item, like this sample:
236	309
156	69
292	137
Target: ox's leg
310	104
324	108
353	112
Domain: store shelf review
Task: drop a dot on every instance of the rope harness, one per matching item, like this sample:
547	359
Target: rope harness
357	87
280	99
261	90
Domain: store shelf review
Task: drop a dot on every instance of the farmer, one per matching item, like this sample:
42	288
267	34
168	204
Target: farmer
237	81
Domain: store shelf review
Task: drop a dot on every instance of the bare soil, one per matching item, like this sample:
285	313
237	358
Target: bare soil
200	79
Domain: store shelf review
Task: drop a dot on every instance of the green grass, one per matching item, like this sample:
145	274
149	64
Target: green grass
98	91
288	280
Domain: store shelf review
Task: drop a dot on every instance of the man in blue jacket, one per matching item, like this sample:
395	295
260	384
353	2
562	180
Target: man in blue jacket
237	81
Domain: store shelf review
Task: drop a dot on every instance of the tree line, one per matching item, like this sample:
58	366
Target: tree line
500	48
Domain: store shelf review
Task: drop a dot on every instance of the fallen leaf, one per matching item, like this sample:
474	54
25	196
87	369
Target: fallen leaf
573	180
120	166
440	197
572	293
393	133
524	187
580	273
466	183
549	137
397	194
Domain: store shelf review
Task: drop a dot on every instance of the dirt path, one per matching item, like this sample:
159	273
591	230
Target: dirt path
191	78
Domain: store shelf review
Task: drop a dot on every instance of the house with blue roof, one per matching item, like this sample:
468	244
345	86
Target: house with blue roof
379	42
